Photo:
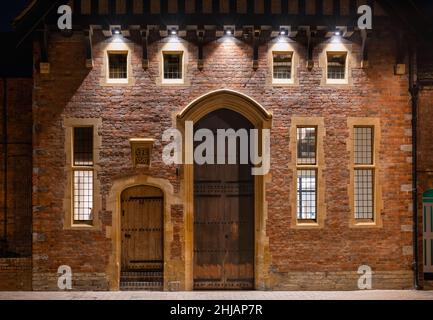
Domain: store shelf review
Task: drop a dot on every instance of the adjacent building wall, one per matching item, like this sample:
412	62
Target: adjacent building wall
16	211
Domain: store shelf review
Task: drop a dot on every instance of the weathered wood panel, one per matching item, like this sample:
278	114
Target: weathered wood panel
223	216
142	228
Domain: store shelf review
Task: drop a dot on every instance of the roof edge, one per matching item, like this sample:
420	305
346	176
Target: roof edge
30	5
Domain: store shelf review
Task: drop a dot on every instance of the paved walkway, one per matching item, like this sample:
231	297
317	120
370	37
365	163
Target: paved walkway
220	295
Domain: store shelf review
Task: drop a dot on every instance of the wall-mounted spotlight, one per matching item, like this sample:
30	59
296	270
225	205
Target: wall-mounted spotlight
116	31
229	30
172	30
339	31
284	31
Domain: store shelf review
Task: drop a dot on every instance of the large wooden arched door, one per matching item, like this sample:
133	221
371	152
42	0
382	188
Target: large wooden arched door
142	239
223	214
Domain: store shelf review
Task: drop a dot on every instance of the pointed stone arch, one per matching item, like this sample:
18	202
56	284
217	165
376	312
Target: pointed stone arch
261	119
228	99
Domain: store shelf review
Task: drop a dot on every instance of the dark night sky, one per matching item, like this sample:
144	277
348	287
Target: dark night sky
10	9
15	62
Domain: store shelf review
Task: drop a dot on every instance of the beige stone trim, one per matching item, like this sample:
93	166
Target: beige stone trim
283	45
238	101
337	44
175	45
117	45
69	124
261	119
114	206
319	123
378	202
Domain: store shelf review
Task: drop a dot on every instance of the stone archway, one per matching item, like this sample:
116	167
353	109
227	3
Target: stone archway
260	118
114	232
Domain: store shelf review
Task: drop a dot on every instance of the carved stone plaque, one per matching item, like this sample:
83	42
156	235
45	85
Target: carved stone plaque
141	152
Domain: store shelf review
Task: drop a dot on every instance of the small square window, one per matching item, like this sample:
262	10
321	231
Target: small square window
173	66
118	65
282	67
336	63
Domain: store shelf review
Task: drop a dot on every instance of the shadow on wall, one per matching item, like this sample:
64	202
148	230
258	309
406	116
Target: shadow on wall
16	168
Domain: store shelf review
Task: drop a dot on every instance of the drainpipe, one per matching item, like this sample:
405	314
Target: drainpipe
414	92
5	165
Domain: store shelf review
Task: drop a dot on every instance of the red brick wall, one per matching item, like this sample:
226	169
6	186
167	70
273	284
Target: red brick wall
19	109
425	138
332	254
15	274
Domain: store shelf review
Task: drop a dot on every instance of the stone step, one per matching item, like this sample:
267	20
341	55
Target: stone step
141	273
141	279
144	276
141	286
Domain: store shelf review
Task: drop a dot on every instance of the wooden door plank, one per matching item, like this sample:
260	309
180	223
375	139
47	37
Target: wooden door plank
143	221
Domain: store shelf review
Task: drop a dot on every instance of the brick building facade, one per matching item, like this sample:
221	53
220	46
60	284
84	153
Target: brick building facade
71	89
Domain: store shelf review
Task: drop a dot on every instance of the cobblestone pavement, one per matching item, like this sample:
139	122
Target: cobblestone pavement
220	295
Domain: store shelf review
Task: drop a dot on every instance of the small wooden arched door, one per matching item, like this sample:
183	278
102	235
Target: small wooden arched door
142	228
223	213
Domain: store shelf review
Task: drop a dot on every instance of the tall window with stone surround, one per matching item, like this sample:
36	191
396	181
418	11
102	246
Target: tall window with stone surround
306	173
83	169
364	174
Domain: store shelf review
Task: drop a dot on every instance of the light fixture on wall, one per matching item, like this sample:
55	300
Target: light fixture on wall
229	30
172	30
283	32
115	30
337	33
